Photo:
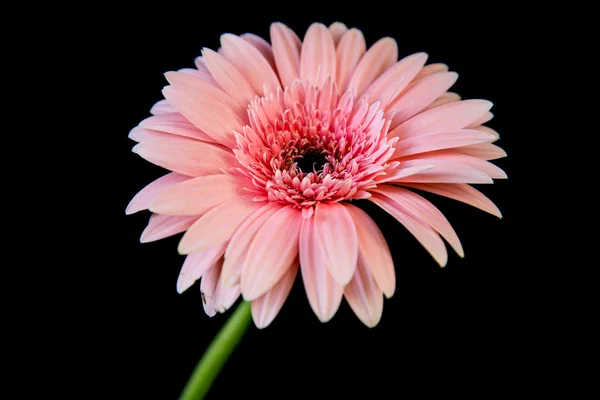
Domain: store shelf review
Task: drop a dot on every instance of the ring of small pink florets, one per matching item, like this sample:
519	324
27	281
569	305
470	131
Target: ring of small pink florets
286	126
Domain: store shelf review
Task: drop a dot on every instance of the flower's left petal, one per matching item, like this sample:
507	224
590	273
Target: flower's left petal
142	200
162	107
251	64
374	251
196	264
417	227
198	195
317	57
218	224
431	69
272	251
338	240
186	156
162	226
364	296
267	306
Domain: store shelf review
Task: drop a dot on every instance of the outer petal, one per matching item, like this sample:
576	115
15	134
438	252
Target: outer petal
431	69
447	117
218	224
338	240
142	200
186	156
162	226
337	30
461	192
417	227
286	50
485	151
271	253
382	55
453	156
419	207
208	288
197	264
225	296
317	58
422	93
261	45
444	172
439	141
364	296
267	306
251	63
448	97
350	50
373	251
161	107
176	124
229	78
323	292
240	243
198	195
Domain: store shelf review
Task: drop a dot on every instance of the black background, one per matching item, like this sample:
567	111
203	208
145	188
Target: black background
454	330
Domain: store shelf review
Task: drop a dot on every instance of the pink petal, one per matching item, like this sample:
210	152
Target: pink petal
261	45
251	64
431	69
337	239
439	141
266	307
444	172
451	155
162	226
142	200
161	107
448	97
485	151
176	124
271	253
323	292
395	79
487	130
373	251
382	55
337	30
200	74
218	224
317	58
229	78
364	296
484	118
197	264
225	296
448	117
240	243
140	135
420	95
403	172
417	227
461	192
350	50
197	196
208	288
286	50
422	209
186	156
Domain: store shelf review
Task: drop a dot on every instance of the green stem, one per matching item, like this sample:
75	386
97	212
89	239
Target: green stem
217	354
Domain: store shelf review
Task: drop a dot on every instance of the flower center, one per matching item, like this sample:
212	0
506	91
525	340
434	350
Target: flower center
307	145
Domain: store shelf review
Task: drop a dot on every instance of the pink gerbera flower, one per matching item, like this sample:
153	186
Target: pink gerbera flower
269	144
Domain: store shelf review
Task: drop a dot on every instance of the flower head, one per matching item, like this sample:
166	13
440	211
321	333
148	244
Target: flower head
269	145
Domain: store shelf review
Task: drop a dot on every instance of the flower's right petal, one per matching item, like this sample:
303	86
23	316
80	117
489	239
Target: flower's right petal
460	192
444	172
374	251
142	200
317	57
364	296
286	49
448	97
323	292
267	306
338	240
431	69
485	151
196	264
198	195
382	55
162	226
218	224
349	51
417	227
439	141
271	253
185	156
